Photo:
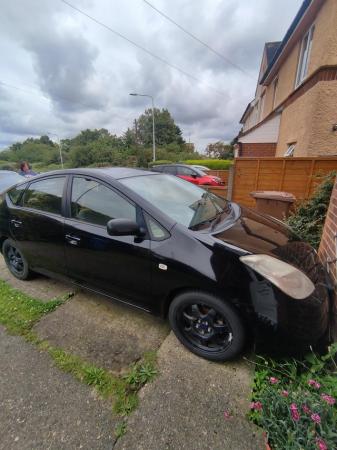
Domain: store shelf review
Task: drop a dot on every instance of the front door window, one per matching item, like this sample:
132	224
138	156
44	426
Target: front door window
93	202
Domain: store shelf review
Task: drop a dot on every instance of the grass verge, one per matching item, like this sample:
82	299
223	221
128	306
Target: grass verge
19	312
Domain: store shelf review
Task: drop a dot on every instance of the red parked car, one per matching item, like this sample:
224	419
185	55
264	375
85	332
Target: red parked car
191	174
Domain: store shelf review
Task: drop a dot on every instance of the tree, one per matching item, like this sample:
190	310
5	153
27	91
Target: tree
167	132
220	150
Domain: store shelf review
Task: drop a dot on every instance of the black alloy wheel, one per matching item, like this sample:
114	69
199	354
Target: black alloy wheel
15	260
207	325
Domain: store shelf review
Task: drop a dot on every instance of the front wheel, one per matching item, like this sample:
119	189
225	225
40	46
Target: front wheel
207	325
15	260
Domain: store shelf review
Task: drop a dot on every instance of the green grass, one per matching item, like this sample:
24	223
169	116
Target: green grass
19	312
120	429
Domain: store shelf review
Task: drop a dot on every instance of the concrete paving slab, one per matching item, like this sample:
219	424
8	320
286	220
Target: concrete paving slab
184	407
101	331
43	408
41	288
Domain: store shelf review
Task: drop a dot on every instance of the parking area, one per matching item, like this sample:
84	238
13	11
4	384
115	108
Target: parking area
183	408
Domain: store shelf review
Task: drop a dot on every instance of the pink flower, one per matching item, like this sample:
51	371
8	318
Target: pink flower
294	412
273	380
314	384
306	409
330	400
257	406
321	444
315	418
227	415
285	393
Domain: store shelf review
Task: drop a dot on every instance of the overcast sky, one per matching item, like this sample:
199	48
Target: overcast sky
73	74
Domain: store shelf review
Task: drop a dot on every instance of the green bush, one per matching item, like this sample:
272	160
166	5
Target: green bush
294	401
308	219
214	164
5	165
160	161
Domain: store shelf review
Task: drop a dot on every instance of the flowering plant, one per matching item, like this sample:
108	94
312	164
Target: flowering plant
295	402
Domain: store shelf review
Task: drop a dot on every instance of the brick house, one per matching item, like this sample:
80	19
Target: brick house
294	112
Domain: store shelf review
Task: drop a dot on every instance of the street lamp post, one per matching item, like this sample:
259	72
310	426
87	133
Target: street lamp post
60	148
153	127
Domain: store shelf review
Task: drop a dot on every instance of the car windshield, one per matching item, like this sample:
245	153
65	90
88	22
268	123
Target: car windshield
182	201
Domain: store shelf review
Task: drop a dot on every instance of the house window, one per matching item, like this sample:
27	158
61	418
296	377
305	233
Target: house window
261	106
303	61
291	149
275	85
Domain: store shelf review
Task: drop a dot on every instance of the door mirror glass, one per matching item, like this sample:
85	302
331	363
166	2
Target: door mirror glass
124	227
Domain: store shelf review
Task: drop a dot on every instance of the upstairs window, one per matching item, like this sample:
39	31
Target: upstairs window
303	62
290	150
275	86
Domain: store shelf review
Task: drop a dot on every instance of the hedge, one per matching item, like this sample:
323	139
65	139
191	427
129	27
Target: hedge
215	164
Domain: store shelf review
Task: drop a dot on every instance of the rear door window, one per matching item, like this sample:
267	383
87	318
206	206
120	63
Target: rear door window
172	170
45	195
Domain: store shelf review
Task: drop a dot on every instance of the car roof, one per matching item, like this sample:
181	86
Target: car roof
173	164
6	172
116	173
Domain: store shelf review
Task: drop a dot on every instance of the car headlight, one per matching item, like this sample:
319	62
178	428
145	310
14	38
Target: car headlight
286	277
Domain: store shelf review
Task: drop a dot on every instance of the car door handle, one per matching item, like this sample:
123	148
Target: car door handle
16	223
73	240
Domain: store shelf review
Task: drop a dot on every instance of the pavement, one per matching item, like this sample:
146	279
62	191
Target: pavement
183	408
44	408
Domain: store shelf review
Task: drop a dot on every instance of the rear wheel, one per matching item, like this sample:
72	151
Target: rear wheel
207	325
15	261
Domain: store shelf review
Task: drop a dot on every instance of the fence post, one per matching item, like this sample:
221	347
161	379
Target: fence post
230	182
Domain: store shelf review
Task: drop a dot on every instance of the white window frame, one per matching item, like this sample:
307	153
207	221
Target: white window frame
275	87
290	150
304	57
261	105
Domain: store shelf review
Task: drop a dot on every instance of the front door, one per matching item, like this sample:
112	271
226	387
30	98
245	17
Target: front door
117	265
36	223
187	174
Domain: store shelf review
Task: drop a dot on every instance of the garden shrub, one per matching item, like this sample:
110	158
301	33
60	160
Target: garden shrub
295	402
308	219
160	161
214	164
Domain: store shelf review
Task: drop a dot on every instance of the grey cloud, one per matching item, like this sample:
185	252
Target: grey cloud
69	57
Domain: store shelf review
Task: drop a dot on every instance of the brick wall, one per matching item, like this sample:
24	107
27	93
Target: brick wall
257	150
327	249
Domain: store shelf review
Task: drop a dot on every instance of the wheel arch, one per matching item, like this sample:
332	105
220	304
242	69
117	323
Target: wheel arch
236	302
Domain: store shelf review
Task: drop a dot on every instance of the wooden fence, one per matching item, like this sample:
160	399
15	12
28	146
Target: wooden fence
299	176
223	174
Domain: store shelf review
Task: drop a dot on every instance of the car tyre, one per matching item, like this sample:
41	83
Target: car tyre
207	325
15	260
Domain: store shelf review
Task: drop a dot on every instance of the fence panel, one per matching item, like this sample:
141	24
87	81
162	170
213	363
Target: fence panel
298	176
223	174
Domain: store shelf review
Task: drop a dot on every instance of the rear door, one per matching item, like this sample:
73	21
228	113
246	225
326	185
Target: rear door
117	265
36	223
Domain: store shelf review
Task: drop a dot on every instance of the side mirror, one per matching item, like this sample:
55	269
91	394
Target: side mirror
194	175
124	227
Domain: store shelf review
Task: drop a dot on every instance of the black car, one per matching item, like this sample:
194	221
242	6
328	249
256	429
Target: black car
217	270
